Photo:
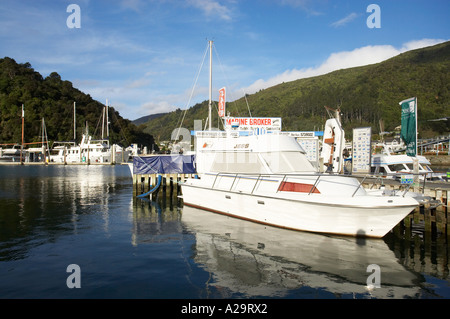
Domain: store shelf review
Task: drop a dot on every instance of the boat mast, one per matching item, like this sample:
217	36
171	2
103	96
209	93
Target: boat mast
210	84
21	148
103	124
107	122
74	122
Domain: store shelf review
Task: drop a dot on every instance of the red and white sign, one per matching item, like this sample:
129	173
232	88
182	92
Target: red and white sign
272	123
222	102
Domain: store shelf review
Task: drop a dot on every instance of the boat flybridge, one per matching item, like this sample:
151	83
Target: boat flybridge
267	178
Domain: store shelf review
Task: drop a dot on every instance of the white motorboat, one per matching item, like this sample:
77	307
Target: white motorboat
89	151
391	165
11	154
268	179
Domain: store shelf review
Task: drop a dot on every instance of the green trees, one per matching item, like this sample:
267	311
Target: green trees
52	99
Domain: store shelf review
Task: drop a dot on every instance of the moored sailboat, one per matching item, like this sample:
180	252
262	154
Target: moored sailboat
90	150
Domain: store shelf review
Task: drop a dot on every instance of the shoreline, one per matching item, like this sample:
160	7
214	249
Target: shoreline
435	160
438	160
44	164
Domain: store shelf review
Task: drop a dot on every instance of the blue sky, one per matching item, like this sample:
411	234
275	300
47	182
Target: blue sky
144	56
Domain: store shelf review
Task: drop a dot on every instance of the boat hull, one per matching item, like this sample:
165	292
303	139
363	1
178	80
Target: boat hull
357	216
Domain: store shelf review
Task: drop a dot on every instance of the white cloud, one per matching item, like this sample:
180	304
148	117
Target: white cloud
341	60
212	8
352	16
306	5
135	5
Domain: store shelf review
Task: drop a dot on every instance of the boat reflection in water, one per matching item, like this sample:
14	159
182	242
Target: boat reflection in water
256	260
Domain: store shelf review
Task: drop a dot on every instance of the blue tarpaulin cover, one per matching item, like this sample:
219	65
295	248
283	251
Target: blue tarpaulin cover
164	164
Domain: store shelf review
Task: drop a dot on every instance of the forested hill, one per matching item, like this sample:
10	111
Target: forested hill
52	99
365	96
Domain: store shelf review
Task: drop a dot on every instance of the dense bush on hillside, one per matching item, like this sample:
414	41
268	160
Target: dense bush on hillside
365	95
52	99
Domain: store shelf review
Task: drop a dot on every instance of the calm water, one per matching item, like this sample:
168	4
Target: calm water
55	216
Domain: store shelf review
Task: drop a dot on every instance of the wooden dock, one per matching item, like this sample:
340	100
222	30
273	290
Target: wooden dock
433	218
170	183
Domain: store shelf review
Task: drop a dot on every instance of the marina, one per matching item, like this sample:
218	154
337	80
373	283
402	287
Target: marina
126	247
309	162
252	212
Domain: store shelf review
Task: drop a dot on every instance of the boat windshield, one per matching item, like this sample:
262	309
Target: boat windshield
252	163
237	162
396	167
287	162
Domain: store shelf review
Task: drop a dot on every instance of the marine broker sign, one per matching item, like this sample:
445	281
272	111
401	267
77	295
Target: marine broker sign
247	123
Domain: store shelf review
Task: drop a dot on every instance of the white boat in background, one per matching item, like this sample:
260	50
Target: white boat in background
89	151
11	154
390	165
268	179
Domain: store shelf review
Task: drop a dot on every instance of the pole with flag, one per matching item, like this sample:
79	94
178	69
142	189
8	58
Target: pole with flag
222	102
409	125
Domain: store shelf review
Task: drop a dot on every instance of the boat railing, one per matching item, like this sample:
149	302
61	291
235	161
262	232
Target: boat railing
276	177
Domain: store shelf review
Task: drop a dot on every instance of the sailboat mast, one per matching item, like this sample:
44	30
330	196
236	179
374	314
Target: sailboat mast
210	84
23	122
103	124
74	122
107	121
